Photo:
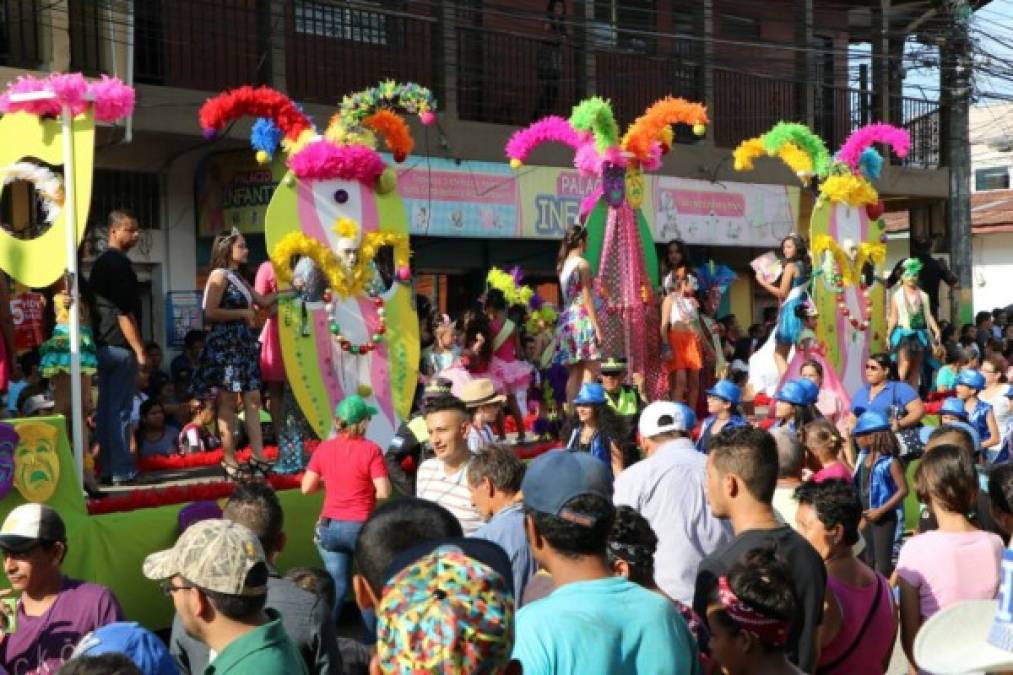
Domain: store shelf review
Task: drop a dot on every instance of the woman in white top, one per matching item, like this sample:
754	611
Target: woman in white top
579	334
680	327
994	392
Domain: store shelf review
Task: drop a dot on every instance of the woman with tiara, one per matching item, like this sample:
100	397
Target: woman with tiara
790	290
579	333
908	323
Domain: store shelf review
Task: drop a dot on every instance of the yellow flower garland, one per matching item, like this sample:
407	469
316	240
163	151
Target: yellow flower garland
296	244
850	271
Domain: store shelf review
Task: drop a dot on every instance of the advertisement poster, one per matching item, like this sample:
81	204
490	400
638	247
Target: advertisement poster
471	199
233	190
183	313
723	214
27	312
550	200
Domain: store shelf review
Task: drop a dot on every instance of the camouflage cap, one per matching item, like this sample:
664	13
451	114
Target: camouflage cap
216	555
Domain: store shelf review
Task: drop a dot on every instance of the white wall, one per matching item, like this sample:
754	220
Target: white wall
992	270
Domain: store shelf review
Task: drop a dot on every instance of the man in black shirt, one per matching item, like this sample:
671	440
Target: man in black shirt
741	476
116	320
933	272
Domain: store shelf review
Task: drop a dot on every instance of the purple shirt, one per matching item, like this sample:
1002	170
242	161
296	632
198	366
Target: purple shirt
40	644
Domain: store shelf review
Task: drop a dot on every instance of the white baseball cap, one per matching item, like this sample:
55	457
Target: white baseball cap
971	637
662	417
29	524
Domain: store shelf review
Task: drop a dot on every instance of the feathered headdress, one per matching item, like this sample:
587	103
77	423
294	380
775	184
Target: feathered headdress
112	99
348	148
509	284
803	151
912	267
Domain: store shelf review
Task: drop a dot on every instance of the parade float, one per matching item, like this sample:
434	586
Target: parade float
846	238
350	328
621	248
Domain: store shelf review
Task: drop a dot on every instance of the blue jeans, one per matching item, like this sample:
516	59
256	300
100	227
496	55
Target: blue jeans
335	540
117	381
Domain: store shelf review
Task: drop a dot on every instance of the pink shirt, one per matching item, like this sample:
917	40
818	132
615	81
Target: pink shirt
947	567
348	467
835	471
875	644
508	350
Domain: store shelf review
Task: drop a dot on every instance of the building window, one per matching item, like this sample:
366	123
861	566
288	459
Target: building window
135	190
342	22
994	178
739	27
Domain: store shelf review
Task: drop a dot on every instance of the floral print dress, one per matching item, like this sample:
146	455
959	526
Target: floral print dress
230	360
576	340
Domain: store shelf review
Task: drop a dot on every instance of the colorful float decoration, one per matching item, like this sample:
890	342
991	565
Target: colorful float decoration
348	329
620	244
31	128
847	238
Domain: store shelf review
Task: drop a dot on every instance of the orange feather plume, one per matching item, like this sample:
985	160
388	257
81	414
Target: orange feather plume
649	127
395	132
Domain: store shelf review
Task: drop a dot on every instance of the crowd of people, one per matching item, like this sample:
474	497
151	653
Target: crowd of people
708	528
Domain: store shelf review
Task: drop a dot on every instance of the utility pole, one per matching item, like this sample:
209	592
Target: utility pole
955	99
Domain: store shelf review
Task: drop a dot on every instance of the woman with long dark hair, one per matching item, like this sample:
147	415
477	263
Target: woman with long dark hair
790	293
675	264
598	429
229	364
579	335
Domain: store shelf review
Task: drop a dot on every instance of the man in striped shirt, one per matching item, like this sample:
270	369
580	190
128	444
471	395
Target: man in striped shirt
443	479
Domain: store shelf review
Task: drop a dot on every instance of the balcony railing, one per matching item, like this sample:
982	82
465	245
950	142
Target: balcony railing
201	44
634	81
333	49
19	33
507	78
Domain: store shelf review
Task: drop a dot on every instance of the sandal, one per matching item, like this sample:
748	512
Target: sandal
260	467
233	472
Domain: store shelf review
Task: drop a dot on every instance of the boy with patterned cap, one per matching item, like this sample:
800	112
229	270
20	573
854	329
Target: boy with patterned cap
216	575
593	622
448	607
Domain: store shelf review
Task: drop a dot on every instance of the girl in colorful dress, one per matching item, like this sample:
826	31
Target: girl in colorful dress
229	364
908	324
810	362
979	414
680	327
790	292
54	363
444	351
579	335
511	375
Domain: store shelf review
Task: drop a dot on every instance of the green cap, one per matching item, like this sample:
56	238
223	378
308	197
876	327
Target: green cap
354	409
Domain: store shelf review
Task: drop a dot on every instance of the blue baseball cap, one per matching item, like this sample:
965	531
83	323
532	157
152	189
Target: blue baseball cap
726	391
969	377
129	638
953	406
870	421
811	389
793	392
591	393
557	476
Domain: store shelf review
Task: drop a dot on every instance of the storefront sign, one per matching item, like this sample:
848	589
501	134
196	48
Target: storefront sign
233	190
29	324
550	200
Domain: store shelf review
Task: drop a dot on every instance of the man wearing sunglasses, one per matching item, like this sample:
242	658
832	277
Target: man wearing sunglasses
216	575
53	612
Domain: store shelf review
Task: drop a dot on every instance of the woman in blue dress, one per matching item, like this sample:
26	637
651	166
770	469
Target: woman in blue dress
790	290
229	365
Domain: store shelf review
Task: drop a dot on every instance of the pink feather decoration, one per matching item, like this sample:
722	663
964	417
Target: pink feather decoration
588	203
546	130
113	99
24	85
70	89
851	152
320	160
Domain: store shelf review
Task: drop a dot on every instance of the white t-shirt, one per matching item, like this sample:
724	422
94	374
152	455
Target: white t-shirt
451	492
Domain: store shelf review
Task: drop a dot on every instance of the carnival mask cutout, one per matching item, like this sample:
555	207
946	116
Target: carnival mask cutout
348	255
614	184
8	442
634	186
36	461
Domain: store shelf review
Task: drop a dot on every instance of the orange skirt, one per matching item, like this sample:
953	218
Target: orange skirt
686	353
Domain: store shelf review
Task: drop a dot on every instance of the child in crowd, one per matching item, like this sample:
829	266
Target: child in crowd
882	487
155	436
485	406
793	407
953	563
751	615
723	406
444	351
822	439
953	361
810	362
196	436
979	413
